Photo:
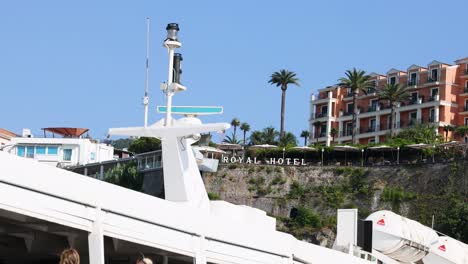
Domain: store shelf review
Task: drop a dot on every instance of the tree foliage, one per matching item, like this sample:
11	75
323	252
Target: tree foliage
122	143
394	94
288	140
420	133
145	144
356	80
231	139
125	175
282	79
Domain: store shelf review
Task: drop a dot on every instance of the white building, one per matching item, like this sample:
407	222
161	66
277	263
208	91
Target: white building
69	150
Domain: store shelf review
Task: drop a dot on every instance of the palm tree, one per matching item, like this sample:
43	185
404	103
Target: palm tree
256	137
235	123
288	140
461	131
282	79
305	134
316	125
394	94
246	128
231	140
447	128
333	133
270	135
356	80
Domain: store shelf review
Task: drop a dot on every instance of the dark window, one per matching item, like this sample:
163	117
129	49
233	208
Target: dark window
393	80
434	75
350	108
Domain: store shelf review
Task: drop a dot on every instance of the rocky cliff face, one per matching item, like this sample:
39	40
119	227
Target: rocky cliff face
305	199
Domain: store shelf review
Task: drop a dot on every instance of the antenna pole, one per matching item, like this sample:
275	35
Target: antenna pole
146	98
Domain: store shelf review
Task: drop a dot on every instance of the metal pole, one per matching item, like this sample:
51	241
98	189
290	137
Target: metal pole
169	92
146	98
362	158
284	149
432	226
398	155
322	156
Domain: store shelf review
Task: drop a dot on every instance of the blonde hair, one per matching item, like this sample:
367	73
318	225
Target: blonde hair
145	260
69	256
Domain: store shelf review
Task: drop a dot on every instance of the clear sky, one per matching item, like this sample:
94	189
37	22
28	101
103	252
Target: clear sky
82	63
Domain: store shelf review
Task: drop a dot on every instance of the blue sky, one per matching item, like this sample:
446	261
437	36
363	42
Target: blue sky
82	63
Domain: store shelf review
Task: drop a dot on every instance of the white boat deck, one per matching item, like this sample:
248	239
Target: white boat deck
31	189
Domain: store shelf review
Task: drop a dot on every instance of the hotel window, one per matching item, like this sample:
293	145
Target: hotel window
30	152
466	121
372	125
350	108
52	150
20	150
393	80
67	154
466	86
324	109
413	118
93	155
432	115
41	150
372	87
413	97
434	92
371	141
413	78
434	75
374	104
349	129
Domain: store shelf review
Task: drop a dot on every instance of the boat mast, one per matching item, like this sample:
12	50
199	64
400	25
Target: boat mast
146	98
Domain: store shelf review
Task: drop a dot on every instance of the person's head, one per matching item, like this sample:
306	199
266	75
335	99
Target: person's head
69	256
144	260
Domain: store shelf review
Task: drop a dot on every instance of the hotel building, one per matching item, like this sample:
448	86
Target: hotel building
438	95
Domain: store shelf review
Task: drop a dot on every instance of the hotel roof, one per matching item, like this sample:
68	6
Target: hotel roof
6	133
67	131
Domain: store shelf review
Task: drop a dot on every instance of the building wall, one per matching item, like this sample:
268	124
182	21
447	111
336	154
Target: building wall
450	100
82	150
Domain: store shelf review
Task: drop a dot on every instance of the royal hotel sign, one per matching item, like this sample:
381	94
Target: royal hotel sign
269	161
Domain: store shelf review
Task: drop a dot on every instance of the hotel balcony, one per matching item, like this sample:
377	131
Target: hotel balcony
465	92
320	115
464	110
412	83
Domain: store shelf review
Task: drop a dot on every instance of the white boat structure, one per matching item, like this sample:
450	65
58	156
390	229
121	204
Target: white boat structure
44	209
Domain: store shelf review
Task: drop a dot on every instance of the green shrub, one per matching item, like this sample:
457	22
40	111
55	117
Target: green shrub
296	191
278	180
232	166
213	196
306	217
268	170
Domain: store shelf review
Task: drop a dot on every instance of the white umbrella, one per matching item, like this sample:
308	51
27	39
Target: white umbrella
305	148
382	148
228	146
418	146
208	149
450	144
346	149
263	146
